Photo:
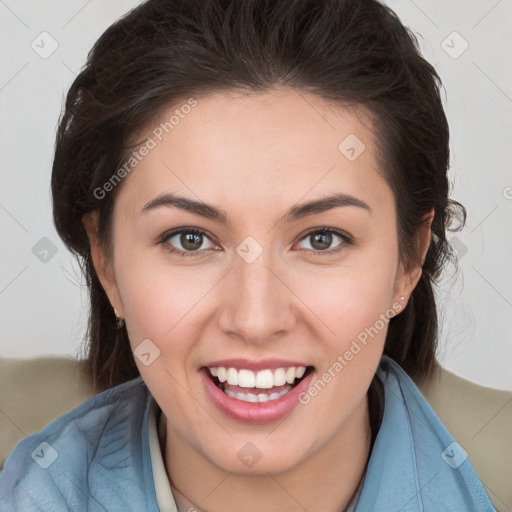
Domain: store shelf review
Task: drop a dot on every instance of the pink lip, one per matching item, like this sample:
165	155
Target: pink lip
261	364
255	413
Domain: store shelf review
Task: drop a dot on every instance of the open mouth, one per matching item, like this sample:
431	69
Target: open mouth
257	387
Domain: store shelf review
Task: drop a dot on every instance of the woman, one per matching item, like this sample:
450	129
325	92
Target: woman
257	192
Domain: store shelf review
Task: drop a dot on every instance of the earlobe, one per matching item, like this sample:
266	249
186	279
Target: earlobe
100	261
404	284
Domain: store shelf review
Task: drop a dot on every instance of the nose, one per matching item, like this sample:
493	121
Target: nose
257	303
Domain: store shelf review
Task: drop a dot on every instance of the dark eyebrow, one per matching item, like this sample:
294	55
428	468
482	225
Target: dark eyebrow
323	204
203	209
295	213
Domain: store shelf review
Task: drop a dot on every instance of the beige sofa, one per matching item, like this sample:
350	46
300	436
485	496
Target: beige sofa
34	392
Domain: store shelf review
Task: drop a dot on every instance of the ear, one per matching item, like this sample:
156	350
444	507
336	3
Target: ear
407	279
101	263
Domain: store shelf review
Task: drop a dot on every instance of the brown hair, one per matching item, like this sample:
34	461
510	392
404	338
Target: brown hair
350	52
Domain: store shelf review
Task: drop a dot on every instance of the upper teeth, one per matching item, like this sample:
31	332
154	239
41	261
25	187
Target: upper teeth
264	379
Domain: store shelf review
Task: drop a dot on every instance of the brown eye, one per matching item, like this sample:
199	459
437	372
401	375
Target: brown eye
321	240
186	242
191	241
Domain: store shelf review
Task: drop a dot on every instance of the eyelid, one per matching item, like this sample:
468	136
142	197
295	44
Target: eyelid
326	229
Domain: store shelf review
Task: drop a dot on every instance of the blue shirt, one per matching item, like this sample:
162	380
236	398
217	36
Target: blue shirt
97	458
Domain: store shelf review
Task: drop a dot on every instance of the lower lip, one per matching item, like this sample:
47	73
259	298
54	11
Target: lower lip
250	412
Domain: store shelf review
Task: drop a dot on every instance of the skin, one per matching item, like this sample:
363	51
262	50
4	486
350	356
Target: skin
255	156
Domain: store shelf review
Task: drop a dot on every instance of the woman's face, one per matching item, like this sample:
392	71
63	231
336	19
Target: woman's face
264	286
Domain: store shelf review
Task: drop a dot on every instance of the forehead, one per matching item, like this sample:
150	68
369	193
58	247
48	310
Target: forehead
243	149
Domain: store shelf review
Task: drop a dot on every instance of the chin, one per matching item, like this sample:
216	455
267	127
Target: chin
257	458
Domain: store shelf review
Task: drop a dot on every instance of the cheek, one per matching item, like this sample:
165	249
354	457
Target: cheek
355	306
159	306
353	297
158	300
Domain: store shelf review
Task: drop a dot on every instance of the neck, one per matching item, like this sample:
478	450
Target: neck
325	481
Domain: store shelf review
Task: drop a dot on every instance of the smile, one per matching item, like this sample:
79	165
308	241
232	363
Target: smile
247	385
259	394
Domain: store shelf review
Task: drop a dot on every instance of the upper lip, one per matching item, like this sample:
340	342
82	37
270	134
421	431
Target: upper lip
260	364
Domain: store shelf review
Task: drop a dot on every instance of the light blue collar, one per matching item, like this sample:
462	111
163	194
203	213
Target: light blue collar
415	464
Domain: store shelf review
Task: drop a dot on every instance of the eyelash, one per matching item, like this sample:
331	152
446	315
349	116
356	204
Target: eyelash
347	240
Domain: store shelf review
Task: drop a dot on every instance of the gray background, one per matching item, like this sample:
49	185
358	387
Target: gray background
43	308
